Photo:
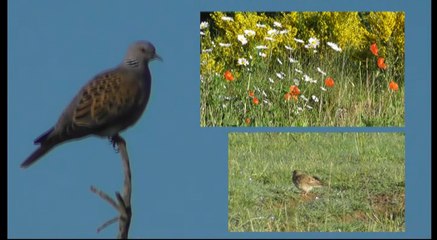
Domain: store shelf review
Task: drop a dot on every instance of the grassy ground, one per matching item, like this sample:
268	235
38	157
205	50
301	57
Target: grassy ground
363	173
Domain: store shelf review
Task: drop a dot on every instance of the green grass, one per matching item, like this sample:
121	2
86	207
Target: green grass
364	174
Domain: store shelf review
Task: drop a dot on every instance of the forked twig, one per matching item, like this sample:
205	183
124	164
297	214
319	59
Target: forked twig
123	203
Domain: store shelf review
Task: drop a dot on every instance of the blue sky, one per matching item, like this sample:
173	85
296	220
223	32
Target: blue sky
179	169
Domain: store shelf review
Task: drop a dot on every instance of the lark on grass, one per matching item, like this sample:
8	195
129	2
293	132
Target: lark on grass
305	182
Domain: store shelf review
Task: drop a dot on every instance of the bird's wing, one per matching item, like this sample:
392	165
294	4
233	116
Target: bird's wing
314	180
299	179
108	97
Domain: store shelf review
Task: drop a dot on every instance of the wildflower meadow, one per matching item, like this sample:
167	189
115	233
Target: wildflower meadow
302	69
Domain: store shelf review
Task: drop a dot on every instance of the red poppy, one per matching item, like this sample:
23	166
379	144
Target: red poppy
229	76
255	101
288	96
374	49
381	63
294	90
329	82
393	86
251	94
247	120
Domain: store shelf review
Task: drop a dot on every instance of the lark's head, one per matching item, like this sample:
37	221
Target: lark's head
296	173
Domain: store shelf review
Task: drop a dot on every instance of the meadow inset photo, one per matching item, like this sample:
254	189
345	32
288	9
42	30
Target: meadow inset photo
316	182
302	69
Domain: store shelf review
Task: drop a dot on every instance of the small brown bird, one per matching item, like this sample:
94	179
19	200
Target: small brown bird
305	182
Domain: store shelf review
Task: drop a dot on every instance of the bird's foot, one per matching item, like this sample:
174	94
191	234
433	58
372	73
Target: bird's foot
115	141
304	194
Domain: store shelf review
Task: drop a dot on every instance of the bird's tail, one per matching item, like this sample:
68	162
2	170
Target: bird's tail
41	139
44	147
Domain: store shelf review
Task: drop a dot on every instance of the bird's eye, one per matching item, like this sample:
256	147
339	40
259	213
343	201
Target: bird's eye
143	50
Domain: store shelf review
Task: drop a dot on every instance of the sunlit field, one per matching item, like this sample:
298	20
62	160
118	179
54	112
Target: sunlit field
302	69
363	176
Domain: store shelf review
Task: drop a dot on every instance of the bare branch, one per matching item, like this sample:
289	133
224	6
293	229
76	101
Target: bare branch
105	197
120	201
127	173
124	202
107	223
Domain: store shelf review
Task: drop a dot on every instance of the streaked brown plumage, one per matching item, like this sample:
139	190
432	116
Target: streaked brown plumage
305	182
108	104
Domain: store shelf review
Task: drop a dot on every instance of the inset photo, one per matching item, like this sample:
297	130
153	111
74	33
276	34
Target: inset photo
316	182
279	69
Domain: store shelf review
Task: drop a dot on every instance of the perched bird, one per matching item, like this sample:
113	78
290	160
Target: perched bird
305	182
108	104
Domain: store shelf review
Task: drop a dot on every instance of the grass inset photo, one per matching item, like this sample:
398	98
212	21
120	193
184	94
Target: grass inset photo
302	69
316	182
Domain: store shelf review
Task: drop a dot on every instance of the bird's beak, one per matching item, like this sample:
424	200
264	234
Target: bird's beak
157	57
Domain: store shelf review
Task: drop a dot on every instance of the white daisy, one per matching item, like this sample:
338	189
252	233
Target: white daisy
249	32
283	31
261	25
272	32
320	71
279	75
262	54
279	61
298	71
277	24
313	42
296	81
298	40
203	25
288	47
269	38
227	18
315	99
243	61
261	47
292	60
334	46
242	39
271	80
307	78
224	44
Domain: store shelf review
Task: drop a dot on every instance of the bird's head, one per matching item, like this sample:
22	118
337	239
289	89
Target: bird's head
141	52
296	172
